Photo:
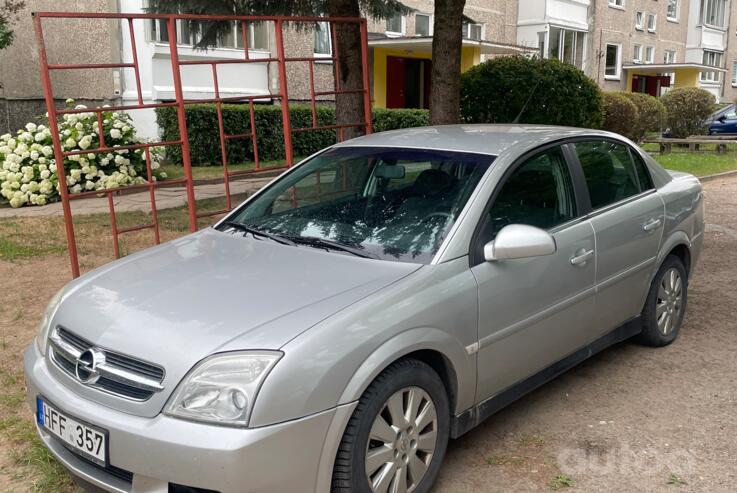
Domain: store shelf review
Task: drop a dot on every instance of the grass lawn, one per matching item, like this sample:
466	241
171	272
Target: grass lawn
698	163
34	265
207	172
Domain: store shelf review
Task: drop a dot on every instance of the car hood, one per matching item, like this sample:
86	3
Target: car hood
215	291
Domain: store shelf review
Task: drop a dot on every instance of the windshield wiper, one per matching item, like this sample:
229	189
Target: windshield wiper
257	232
332	245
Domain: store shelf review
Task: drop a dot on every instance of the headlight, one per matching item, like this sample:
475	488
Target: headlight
45	325
221	389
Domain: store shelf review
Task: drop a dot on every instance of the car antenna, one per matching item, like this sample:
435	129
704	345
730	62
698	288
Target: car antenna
524	106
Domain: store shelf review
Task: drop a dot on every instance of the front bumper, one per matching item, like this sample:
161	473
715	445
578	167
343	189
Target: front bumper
292	456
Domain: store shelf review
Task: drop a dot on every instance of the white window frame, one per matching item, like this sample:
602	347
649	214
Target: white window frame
677	4
467	30
429	23
618	74
712	77
561	33
616	4
654	18
157	34
639	20
704	6
320	26
403	27
649	54
734	73
637	53
666	56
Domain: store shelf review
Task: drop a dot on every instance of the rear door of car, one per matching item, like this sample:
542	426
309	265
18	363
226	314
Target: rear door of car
534	311
627	215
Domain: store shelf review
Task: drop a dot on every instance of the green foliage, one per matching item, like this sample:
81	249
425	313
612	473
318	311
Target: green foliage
620	114
540	91
651	114
392	119
204	140
687	109
9	10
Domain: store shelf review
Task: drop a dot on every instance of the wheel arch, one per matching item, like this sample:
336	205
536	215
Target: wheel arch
679	244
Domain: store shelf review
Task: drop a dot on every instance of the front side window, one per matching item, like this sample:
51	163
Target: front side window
322	44
538	193
611	172
393	204
611	70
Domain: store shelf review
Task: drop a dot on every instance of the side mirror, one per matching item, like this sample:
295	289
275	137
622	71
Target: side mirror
722	118
519	241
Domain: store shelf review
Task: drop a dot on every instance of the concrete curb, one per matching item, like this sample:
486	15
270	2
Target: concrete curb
716	176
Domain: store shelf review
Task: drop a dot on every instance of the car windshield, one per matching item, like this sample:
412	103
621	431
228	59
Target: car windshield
393	204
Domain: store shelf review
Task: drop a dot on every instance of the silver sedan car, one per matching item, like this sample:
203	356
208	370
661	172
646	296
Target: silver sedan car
387	294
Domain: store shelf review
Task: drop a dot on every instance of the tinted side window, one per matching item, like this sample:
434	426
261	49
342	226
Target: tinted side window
538	193
643	175
610	172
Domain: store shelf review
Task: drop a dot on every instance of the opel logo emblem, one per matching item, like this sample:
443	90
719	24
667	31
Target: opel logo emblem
87	364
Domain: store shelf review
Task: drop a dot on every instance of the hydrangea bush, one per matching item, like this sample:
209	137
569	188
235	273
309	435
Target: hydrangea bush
28	169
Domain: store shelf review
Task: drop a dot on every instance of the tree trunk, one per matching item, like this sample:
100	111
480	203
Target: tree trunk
445	92
348	107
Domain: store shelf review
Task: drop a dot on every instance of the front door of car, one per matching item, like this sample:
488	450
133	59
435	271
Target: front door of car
533	311
627	216
726	123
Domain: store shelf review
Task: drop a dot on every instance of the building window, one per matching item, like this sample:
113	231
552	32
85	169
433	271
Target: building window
322	44
637	53
712	12
672	10
649	54
567	45
651	22
712	59
423	26
472	31
395	24
669	56
734	73
616	3
541	43
639	19
187	35
612	66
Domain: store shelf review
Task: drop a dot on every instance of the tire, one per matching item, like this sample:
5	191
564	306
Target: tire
413	381
665	306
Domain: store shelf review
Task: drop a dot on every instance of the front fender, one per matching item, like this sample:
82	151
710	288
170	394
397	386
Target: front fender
462	366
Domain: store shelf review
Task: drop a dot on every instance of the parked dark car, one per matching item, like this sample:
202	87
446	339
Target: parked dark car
723	121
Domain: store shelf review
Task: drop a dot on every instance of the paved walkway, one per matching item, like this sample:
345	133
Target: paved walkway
166	198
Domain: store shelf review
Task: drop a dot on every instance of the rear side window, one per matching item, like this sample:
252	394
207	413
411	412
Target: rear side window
610	171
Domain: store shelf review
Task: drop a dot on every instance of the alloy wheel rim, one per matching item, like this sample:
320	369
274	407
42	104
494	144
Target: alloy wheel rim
670	301
402	442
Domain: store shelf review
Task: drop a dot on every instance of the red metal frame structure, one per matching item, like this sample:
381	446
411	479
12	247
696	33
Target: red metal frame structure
180	104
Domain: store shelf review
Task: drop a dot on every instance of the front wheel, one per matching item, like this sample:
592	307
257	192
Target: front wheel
397	436
665	307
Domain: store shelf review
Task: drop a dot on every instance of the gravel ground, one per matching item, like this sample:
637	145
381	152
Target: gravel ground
631	418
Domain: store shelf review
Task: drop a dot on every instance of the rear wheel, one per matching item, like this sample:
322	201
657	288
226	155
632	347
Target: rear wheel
397	436
666	304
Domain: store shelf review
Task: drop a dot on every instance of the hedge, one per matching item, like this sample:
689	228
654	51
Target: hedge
651	115
688	108
204	140
533	91
620	114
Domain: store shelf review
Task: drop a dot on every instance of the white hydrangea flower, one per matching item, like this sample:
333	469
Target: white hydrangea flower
115	134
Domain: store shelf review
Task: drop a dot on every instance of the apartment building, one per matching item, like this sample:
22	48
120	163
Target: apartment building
646	46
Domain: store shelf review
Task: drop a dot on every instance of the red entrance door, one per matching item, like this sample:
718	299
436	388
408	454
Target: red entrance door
396	77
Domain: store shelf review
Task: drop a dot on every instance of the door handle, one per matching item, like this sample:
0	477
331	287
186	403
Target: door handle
652	224
582	256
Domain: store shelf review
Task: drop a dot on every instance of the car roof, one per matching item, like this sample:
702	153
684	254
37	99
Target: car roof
477	138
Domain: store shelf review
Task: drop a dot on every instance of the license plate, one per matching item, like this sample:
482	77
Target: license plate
84	439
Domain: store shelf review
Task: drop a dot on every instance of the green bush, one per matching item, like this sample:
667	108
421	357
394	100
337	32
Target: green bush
620	114
540	91
687	109
651	115
204	139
